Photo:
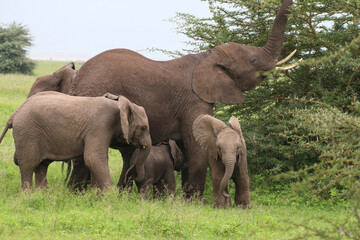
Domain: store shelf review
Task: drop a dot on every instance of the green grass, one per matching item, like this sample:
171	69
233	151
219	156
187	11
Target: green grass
56	213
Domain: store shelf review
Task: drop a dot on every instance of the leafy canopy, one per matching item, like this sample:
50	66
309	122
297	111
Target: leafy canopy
282	117
14	42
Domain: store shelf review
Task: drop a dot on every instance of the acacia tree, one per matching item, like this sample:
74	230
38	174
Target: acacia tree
15	40
326	35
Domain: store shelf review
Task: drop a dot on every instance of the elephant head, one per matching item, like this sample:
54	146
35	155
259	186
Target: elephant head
176	155
135	131
59	81
233	68
227	145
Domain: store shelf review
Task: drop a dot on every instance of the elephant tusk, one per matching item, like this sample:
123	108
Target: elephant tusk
287	58
291	66
143	146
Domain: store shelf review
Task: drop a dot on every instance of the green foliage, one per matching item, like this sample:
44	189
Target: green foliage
14	41
285	136
336	136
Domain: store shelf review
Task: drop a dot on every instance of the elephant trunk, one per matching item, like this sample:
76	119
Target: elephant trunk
140	166
229	163
276	39
137	160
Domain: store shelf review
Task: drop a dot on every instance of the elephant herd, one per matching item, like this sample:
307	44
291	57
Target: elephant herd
158	114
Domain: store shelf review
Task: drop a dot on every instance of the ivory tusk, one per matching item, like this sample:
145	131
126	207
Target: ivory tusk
287	58
289	66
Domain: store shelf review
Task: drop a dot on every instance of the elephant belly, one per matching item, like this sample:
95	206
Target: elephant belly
63	152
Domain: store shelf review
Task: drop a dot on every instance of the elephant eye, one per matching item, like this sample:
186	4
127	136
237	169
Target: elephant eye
143	128
253	60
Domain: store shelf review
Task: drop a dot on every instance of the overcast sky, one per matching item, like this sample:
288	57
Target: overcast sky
80	29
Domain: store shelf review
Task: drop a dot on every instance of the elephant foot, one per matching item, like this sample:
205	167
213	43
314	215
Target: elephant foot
126	186
221	205
245	206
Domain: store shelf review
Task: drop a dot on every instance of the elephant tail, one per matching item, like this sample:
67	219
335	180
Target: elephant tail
68	169
7	126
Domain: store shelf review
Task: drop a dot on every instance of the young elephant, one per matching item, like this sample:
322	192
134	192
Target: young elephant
52	126
163	159
59	81
226	151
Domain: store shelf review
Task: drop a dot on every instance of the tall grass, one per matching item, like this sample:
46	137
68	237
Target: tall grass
57	213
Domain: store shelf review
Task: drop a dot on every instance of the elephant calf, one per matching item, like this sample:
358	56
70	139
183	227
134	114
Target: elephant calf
163	159
51	126
226	151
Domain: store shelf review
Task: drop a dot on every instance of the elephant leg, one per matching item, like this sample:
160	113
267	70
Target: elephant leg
195	176
96	159
169	182
26	177
27	160
217	172
242	187
126	154
40	174
144	189
158	189
80	176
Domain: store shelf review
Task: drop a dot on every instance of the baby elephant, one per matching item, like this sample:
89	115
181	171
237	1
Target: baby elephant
226	151
52	126
163	159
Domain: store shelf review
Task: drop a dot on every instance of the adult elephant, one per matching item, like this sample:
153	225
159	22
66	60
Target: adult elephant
174	93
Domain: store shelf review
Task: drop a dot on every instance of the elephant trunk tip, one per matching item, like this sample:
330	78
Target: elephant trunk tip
225	194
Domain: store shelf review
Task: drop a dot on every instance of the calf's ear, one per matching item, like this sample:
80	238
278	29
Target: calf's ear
205	130
125	107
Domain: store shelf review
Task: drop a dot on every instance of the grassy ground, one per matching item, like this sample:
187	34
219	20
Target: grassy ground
56	213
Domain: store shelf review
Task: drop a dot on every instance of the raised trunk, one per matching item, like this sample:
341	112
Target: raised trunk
229	163
276	39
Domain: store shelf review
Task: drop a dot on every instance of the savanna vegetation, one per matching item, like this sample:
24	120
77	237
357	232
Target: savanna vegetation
57	213
302	129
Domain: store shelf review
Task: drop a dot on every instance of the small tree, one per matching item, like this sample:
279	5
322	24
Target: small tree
14	41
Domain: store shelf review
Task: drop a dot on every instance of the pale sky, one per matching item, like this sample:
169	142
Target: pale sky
80	29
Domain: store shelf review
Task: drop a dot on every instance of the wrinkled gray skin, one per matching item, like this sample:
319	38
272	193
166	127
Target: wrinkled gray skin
51	126
226	151
163	159
59	81
174	93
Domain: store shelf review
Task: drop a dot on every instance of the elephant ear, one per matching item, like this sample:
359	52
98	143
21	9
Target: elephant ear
125	107
64	77
213	83
176	155
111	96
234	122
59	81
205	130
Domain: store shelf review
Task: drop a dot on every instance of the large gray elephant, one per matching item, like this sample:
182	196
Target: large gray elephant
59	81
51	126
226	151
174	93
